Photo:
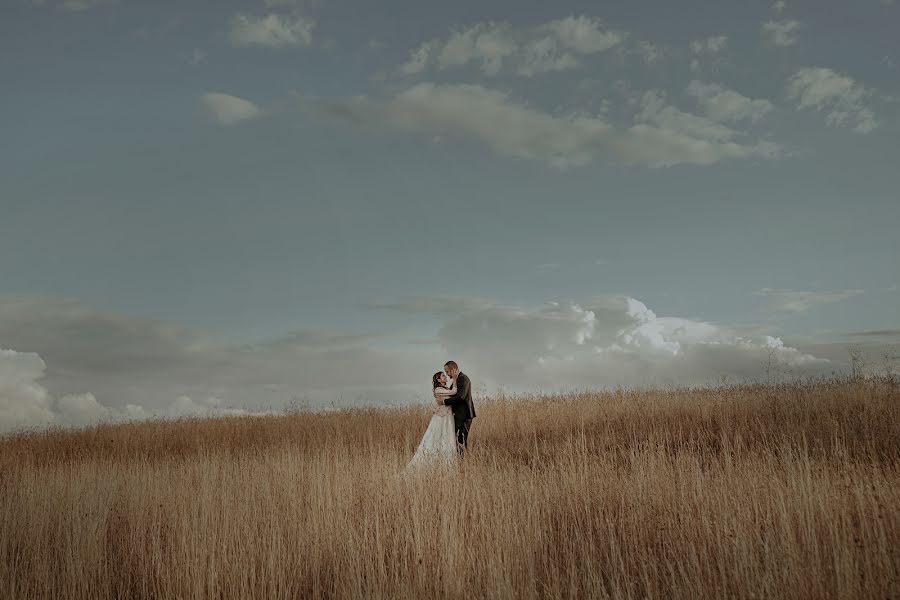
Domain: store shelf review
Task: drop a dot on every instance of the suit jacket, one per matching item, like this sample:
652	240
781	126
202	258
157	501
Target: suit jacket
461	402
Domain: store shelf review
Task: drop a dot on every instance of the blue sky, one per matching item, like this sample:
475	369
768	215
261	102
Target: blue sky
377	188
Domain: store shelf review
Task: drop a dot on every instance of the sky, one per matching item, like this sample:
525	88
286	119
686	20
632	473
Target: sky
241	207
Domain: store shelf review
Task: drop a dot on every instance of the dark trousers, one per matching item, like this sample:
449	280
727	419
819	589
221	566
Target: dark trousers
462	436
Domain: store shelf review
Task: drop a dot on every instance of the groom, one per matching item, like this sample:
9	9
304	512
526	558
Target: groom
461	405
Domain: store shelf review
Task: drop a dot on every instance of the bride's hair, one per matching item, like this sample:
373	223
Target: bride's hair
435	380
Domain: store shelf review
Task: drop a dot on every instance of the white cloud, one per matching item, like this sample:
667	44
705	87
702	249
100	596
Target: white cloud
649	52
543	55
26	404
23	401
487	43
838	96
139	368
655	110
550	46
781	33
607	340
153	369
708	50
779	7
418	59
796	301
272	30
511	129
584	34
83	409
709	46
721	104
228	110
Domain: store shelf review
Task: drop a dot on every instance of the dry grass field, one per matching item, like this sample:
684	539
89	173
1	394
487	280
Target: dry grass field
745	491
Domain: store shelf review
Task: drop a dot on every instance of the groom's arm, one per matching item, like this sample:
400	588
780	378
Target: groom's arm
462	390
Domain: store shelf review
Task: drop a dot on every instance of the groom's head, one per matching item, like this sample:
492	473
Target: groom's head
451	369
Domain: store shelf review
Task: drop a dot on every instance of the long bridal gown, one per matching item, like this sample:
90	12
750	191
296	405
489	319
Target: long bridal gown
438	445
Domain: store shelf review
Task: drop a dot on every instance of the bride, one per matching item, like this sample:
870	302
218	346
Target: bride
438	445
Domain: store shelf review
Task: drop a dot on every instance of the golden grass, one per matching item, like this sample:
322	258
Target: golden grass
785	491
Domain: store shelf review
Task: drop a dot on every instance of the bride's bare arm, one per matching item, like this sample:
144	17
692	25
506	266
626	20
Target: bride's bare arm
441	393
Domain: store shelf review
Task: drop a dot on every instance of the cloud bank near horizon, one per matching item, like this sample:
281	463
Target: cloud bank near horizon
102	367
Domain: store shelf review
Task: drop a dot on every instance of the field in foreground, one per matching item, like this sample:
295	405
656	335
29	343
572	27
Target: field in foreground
785	491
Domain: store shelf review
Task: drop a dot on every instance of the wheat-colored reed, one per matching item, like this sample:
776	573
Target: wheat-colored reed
742	491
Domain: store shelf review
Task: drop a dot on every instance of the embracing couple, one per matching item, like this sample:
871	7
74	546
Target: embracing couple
447	435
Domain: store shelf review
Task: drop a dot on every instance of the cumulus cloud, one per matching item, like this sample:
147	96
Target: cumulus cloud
272	30
839	96
26	404
797	301
721	104
228	110
550	46
607	340
23	401
781	33
662	137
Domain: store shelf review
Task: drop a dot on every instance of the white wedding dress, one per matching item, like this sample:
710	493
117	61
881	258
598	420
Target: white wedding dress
438	445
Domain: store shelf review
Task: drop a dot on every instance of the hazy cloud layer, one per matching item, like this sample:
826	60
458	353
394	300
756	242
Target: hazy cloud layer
663	135
107	367
796	301
721	104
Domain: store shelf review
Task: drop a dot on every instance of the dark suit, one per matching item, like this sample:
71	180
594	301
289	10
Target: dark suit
463	410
